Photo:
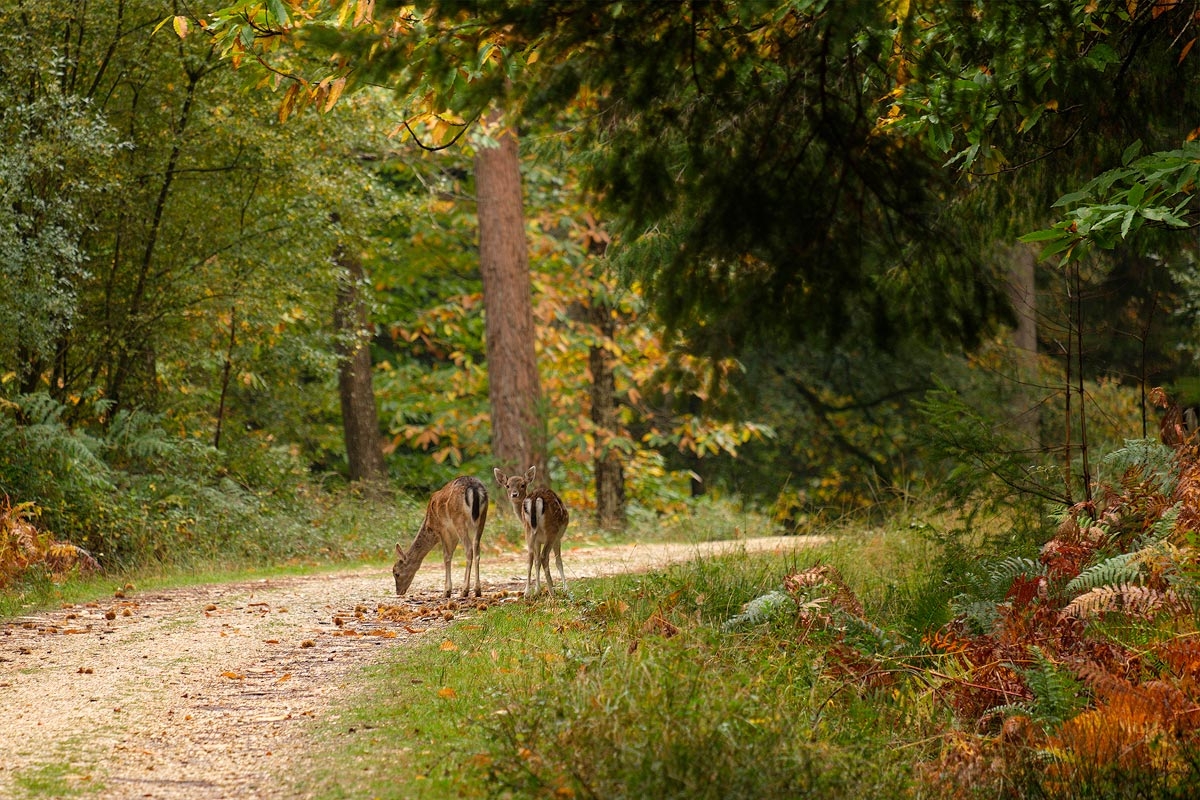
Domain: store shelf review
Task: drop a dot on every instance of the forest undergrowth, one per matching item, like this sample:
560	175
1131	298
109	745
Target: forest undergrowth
1072	674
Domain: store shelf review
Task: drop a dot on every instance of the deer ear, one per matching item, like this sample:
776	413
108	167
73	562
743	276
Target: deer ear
529	475
399	551
501	478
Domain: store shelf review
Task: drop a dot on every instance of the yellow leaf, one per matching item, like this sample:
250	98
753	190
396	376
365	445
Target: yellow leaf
233	676
289	102
447	693
449	645
335	91
364	12
181	26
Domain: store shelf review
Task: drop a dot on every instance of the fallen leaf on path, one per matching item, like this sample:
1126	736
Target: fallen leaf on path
233	676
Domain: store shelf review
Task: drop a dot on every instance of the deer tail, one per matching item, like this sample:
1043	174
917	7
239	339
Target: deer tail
476	501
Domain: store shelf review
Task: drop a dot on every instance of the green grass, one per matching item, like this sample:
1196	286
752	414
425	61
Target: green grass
54	780
631	688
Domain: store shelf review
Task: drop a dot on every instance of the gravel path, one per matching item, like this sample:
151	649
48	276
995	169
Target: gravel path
207	691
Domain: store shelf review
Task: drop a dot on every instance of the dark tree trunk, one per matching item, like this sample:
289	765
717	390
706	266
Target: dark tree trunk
514	388
1022	294
610	471
226	374
360	419
134	345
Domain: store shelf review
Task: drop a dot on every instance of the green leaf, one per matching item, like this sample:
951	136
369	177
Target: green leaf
1044	235
1127	223
1054	248
1136	194
1069	199
1131	152
279	12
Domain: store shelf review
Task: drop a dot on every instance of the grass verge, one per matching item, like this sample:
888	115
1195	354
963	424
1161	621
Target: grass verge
55	780
634	687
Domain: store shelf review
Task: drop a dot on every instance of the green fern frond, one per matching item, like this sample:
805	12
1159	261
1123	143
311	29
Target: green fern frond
1058	694
1119	569
995	579
866	637
1161	530
139	436
981	615
1149	457
41	409
1002	573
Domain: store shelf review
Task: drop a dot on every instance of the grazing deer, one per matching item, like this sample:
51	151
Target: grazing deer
544	518
456	513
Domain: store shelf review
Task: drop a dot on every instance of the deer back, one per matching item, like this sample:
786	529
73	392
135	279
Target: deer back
455	511
545	514
458	507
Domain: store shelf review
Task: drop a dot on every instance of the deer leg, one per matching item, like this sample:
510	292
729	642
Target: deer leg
472	555
447	553
558	560
544	565
530	550
478	555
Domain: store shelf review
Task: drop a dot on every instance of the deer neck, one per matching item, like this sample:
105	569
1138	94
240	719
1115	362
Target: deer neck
415	554
518	507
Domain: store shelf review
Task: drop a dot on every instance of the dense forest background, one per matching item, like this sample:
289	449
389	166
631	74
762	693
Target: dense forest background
766	252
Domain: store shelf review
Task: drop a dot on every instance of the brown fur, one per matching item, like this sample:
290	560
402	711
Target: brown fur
456	513
544	518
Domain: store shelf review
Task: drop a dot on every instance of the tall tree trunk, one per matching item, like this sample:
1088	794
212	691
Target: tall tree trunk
514	388
134	345
1022	294
360	419
610	472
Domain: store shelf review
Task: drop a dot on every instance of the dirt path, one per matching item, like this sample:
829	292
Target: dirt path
208	691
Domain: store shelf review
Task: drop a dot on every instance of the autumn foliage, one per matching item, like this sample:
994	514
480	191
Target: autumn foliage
1092	658
1080	668
24	547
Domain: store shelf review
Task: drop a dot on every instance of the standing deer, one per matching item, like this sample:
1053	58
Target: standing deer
544	518
456	513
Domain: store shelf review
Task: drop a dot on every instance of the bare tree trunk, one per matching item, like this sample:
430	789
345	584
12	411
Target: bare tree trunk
226	373
360	419
514	388
1022	294
610	472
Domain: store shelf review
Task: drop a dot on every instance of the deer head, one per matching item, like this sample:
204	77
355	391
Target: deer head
516	486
